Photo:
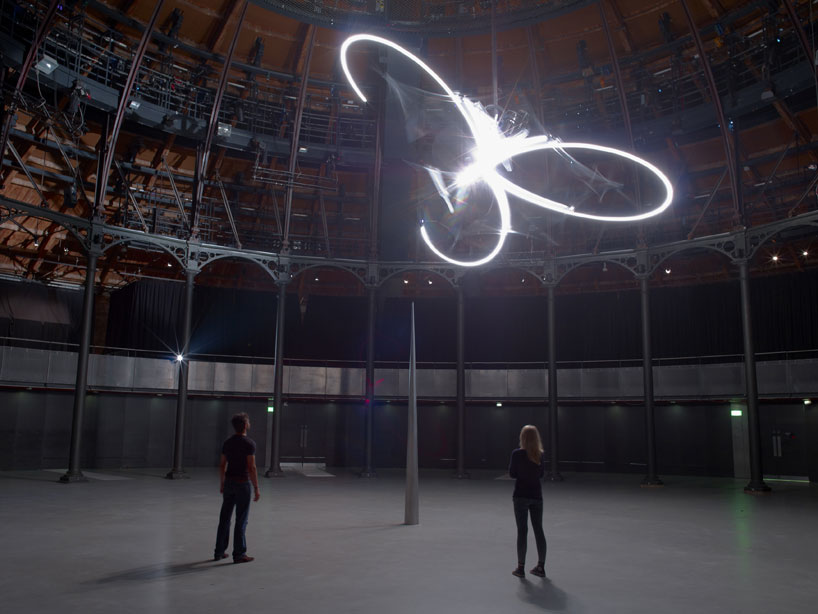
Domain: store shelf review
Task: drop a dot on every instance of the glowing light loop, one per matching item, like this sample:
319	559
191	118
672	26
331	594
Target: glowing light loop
493	148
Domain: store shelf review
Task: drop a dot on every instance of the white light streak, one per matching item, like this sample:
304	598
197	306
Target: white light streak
492	149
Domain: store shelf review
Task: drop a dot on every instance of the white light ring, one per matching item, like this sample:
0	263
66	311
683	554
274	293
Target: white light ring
498	184
505	228
541	143
356	38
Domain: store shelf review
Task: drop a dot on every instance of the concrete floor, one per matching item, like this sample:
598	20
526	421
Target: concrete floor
140	543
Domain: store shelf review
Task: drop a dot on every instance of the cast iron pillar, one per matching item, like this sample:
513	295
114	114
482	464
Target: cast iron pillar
74	473
368	471
756	485
274	471
177	473
461	473
553	421
651	479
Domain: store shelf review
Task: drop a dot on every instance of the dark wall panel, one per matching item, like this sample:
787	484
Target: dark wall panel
789	424
625	449
138	431
694	439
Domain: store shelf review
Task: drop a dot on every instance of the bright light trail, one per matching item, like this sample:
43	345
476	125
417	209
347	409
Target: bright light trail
492	148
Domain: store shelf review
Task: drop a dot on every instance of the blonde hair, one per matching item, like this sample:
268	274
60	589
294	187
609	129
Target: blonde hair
531	443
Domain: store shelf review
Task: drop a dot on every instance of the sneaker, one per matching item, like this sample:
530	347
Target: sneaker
539	570
219	557
243	559
519	572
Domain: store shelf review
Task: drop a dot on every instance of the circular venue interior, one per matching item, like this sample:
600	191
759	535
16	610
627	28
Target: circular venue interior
219	204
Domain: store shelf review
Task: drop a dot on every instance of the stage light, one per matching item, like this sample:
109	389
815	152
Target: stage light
36	243
807	401
46	65
224	130
405	281
604	267
430	282
179	358
805	253
735	413
499	404
775	258
169	265
133	105
667	271
316	279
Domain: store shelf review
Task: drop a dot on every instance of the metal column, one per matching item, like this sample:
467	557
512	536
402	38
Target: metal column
714	92
461	472
184	368
274	471
756	485
651	479
553	421
124	100
74	473
368	471
299	114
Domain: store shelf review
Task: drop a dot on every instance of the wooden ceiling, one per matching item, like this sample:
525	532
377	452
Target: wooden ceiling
558	69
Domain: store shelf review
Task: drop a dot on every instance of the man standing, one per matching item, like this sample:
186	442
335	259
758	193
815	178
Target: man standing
237	470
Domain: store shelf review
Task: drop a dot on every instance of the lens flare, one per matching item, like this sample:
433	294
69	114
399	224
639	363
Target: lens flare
493	149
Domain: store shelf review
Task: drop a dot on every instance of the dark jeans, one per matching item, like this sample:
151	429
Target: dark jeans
236	494
522	507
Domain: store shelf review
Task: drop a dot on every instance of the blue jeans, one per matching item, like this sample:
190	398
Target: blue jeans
522	508
236	494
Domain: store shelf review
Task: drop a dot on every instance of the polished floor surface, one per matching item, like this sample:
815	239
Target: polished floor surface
131	541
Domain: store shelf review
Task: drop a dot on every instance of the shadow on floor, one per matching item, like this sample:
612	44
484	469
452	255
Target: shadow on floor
543	593
158	571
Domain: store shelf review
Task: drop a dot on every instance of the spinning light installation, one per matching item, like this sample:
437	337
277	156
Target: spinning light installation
493	148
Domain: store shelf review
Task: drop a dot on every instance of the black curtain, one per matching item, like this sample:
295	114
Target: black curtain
685	321
30	310
147	315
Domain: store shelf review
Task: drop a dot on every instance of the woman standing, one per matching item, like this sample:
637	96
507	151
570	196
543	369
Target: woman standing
526	467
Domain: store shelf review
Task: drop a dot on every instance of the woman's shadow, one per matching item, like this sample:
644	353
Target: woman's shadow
544	594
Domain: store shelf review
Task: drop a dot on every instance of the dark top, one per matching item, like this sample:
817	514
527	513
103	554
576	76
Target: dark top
527	473
236	449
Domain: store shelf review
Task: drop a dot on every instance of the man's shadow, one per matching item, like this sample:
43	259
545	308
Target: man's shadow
543	593
158	571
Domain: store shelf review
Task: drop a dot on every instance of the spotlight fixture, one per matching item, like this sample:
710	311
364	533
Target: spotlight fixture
169	265
775	258
805	253
405	281
224	130
807	401
36	243
499	404
430	282
179	358
604	267
316	279
46	65
667	271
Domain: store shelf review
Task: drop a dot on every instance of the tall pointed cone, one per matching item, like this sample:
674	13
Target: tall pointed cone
412	516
